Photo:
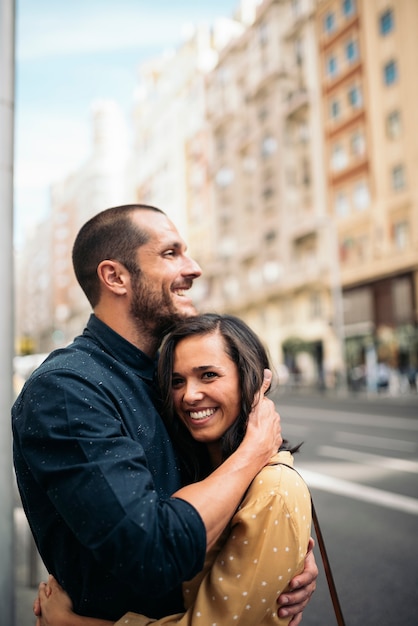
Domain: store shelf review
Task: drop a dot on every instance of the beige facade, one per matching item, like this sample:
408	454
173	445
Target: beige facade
169	125
271	263
367	52
312	127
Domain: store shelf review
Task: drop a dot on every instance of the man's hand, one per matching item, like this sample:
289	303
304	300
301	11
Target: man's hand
293	602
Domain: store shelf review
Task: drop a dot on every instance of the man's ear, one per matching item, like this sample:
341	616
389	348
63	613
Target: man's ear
114	276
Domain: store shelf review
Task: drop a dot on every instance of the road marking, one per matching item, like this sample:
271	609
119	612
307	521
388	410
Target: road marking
401	465
337	417
360	492
372	441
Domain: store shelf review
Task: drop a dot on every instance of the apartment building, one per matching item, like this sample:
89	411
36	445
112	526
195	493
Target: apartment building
312	152
367	52
169	123
271	263
51	307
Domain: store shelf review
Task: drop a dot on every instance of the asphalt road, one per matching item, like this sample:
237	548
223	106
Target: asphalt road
360	459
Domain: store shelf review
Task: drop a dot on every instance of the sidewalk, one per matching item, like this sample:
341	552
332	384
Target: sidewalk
23	606
28	572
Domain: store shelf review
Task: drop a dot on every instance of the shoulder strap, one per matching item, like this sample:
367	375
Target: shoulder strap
327	566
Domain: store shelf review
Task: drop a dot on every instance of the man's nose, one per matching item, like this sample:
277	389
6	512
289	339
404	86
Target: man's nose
192	268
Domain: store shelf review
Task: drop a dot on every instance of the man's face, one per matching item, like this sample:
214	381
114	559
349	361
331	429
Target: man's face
159	292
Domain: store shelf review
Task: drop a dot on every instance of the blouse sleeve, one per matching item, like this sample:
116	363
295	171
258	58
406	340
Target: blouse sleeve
264	550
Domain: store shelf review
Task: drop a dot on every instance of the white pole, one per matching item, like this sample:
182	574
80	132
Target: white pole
7	61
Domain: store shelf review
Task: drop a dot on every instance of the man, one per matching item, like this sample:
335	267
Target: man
96	470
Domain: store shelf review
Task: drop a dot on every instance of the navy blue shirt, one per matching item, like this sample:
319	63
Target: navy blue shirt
95	470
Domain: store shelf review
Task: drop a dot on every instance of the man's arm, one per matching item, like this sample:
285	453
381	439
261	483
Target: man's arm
302	587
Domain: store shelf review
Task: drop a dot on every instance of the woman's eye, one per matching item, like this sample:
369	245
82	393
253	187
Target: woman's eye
209	375
176	382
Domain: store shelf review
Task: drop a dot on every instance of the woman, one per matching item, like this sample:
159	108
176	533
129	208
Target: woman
210	369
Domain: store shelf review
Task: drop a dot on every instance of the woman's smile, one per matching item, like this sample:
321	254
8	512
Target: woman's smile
201	414
205	386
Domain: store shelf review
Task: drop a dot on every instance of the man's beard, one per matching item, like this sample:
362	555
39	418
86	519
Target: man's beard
154	311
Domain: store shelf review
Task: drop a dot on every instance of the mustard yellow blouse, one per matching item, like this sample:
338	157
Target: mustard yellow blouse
253	562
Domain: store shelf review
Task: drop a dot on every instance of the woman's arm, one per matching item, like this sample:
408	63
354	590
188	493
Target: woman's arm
54	608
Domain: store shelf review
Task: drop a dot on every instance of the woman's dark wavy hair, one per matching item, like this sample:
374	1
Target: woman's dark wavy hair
249	355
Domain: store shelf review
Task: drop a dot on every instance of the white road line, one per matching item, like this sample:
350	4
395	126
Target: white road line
360	492
400	465
344	417
372	441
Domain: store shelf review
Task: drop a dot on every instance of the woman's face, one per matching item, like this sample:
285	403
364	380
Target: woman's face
206	386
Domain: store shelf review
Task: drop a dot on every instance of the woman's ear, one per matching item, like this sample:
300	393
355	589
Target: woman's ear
113	276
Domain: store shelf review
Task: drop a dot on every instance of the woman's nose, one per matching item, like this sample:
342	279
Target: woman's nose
192	393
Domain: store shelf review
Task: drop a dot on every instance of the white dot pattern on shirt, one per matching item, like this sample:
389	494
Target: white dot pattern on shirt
229	560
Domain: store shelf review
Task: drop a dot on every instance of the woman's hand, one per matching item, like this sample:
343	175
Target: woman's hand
263	435
53	607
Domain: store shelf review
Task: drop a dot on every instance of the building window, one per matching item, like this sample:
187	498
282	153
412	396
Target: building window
361	195
334	109
390	72
400	235
296	10
398	178
315	305
341	204
358	144
329	23
332	68
339	158
354	97
386	22
351	51
306	173
349	7
268	192
263	114
224	177
268	146
298	49
393	125
263	34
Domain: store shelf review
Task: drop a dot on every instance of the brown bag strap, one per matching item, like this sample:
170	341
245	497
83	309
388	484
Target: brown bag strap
327	568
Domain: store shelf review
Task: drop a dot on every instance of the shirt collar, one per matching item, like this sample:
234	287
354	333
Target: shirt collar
121	349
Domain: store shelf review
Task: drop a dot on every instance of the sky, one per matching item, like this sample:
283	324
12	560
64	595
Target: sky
70	54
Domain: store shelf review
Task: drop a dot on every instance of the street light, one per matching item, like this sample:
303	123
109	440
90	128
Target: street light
7	28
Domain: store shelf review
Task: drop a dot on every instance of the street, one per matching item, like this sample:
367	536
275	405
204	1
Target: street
359	458
360	461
